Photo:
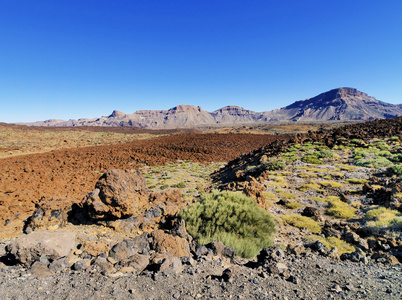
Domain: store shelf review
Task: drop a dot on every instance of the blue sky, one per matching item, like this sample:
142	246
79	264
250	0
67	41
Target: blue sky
69	59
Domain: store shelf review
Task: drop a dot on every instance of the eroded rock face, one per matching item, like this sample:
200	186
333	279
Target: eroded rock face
27	249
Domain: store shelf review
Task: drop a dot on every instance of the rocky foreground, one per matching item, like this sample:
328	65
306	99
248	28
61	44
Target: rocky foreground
213	273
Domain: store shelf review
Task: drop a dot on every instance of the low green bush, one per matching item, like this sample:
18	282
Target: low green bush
325	154
180	185
339	209
311	158
378	162
396	169
230	217
275	164
302	222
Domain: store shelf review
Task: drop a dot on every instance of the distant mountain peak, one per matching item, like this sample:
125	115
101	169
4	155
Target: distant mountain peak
116	113
343	103
184	108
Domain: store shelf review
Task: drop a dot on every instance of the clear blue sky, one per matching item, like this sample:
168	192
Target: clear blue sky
67	59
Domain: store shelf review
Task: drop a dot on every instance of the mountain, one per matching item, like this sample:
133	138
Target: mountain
344	104
339	104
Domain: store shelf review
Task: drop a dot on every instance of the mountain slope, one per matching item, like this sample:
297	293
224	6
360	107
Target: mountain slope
339	104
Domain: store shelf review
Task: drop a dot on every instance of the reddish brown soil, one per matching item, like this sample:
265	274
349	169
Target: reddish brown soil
70	174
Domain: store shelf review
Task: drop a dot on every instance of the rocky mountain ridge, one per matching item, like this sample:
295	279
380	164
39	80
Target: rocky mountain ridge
342	104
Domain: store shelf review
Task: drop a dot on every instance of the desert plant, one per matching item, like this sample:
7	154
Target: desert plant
325	154
396	169
180	185
311	158
275	164
383	217
293	204
332	242
356	181
310	185
339	209
377	162
230	217
302	222
333	184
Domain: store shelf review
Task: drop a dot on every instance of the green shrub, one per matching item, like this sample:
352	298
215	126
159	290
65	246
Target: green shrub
325	154
394	138
230	217
302	222
331	242
275	164
293	204
378	162
396	169
356	181
311	158
384	217
180	185
396	157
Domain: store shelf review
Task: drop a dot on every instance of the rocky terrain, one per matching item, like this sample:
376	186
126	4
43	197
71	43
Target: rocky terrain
335	196
342	104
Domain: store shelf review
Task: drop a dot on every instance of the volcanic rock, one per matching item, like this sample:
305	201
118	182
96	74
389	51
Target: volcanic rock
54	244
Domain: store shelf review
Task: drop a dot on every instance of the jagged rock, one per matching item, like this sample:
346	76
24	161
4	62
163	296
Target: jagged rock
40	269
295	249
122	250
138	262
179	229
104	266
230	273
59	265
312	212
171	265
54	244
201	251
168	244
276	267
274	253
46	216
221	250
320	248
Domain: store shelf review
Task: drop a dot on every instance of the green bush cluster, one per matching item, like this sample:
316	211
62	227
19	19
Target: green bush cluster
230	217
311	158
275	164
377	162
396	169
339	209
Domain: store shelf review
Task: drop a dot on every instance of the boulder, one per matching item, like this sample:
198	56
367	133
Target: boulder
168	244
27	249
118	194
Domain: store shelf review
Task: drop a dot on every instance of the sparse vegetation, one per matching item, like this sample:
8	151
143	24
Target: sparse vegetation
339	209
302	222
332	242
